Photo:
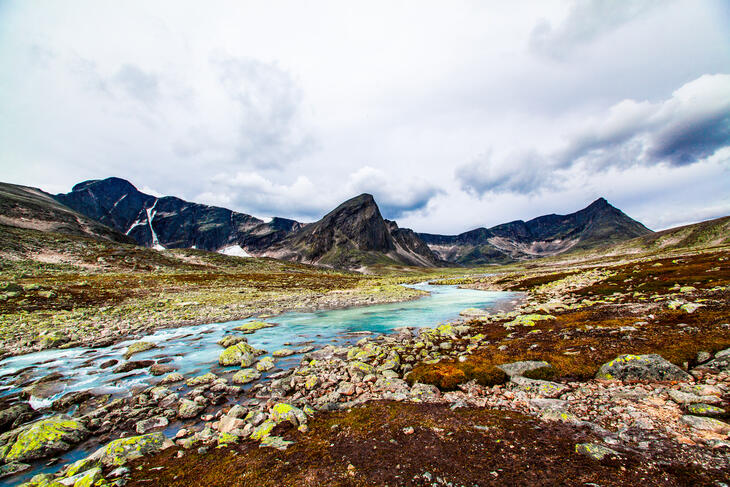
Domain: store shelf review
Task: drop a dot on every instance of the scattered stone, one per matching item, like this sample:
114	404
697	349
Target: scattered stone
595	451
189	409
150	424
284	352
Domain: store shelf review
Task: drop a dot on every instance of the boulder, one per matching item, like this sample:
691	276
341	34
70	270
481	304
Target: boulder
189	409
241	354
650	367
286	412
45	438
161	369
244	376
264	364
138	347
701	409
252	326
284	352
123	450
16	412
172	378
133	365
201	380
519	368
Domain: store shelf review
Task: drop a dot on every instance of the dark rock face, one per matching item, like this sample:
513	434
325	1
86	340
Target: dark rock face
596	225
355	234
170	221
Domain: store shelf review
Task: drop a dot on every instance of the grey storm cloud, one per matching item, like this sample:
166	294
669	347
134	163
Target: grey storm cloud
690	126
586	21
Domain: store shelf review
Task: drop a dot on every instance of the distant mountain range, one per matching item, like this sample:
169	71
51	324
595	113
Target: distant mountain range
596	225
353	235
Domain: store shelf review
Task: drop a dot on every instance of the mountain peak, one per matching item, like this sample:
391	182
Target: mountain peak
599	203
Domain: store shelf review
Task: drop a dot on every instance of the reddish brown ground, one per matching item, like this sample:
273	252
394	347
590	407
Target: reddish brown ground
461	447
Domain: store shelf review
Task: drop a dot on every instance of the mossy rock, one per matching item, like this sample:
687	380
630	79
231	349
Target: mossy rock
241	354
286	412
245	376
138	347
651	367
45	438
264	364
253	326
263	430
123	450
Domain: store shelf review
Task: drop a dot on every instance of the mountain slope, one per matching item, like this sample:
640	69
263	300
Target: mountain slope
352	235
171	222
596	225
31	208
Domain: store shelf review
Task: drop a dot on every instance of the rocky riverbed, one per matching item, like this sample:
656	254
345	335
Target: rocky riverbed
613	388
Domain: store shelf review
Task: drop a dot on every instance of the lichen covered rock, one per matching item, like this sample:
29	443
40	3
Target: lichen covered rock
286	412
650	367
123	450
46	437
241	354
245	376
138	347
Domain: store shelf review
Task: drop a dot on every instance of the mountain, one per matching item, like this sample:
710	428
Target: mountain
31	208
352	235
171	222
597	225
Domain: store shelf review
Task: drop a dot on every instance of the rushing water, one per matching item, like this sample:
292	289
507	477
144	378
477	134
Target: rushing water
193	350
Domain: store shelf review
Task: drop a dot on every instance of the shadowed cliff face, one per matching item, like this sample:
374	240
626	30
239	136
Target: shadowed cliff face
171	222
596	225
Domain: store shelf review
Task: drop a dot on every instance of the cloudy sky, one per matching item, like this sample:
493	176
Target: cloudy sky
453	114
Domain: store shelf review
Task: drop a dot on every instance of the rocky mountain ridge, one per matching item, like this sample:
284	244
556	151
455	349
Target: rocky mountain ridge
353	235
597	225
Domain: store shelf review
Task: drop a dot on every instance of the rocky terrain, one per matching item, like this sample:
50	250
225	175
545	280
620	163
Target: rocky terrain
606	374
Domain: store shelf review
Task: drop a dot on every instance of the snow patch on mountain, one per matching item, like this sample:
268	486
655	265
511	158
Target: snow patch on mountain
234	250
